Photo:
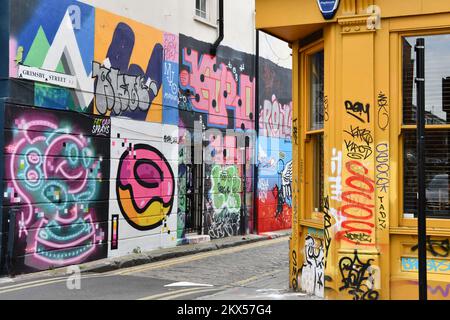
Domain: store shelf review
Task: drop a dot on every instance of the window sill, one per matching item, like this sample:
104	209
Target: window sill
205	21
312	224
437	232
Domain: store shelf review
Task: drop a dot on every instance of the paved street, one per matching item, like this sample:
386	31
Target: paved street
257	271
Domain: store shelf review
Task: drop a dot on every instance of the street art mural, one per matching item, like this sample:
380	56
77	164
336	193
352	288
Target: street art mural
275	148
88	60
274	184
62	44
144	167
100	169
219	93
170	78
184	181
127	68
56	187
221	88
224	202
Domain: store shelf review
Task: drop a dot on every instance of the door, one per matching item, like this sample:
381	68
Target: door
194	197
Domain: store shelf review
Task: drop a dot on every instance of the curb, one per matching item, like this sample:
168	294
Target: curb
134	260
108	265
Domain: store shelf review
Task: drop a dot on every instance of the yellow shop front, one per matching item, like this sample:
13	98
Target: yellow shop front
354	138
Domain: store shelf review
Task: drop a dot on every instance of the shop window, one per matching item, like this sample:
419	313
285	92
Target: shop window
315	142
437	107
316	78
318	172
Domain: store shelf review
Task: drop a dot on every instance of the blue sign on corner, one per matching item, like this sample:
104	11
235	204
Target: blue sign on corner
328	8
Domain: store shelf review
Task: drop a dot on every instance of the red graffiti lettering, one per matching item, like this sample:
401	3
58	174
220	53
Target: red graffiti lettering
276	119
356	209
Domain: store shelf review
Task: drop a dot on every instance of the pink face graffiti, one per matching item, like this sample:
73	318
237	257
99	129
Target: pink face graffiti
52	179
145	187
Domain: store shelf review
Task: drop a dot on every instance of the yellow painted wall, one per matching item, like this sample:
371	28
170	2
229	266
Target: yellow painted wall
283	17
362	232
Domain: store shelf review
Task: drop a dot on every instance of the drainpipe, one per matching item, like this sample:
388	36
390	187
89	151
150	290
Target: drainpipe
221	30
421	172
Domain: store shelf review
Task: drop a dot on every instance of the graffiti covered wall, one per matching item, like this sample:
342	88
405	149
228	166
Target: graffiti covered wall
98	137
81	183
127	68
144	168
56	187
62	44
275	148
219	93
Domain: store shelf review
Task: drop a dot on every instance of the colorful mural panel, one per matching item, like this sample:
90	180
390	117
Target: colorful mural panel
274	184
127	68
62	44
224	201
144	166
56	187
217	92
104	166
170	79
221	88
274	148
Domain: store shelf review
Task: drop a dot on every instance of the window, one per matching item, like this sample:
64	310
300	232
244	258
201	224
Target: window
315	132
318	172
200	8
316	78
437	109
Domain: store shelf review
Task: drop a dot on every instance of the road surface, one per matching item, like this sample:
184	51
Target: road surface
257	271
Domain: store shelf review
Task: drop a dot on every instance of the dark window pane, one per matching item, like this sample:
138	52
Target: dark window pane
200	6
437	168
318	172
316	71
437	77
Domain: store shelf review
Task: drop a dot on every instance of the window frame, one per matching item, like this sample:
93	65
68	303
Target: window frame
212	13
437	223
199	10
308	134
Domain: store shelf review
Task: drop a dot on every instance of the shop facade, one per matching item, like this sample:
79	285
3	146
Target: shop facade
354	139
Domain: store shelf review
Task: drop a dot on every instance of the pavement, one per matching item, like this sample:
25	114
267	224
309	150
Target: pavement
137	259
239	268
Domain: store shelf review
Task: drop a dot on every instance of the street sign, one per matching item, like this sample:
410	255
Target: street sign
46	76
328	8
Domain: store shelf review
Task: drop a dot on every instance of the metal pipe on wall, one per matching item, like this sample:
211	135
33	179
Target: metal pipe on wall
421	198
221	29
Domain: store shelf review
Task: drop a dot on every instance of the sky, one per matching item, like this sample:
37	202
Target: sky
437	66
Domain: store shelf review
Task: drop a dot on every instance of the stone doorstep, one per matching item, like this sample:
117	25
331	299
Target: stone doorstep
194	239
133	260
276	234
